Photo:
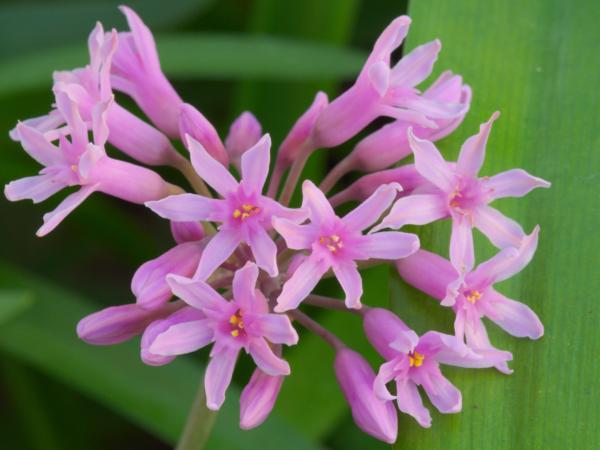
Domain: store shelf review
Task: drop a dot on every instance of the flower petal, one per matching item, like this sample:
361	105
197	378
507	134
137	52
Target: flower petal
443	394
500	230
416	65
301	283
409	401
512	183
477	338
218	376
297	237
258	398
430	163
196	293
427	272
184	207
462	253
452	351
266	360
347	274
384	376
36	145
472	152
211	170
217	251
369	211
53	218
277	328
264	250
37	188
244	285
415	210
316	202
388	245
255	164
183	338
514	317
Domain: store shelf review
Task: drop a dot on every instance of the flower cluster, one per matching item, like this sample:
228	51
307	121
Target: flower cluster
244	261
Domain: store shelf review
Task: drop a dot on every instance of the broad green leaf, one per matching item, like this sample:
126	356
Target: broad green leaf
13	303
157	398
537	63
192	55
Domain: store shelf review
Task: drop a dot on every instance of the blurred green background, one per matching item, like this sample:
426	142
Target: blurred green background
537	61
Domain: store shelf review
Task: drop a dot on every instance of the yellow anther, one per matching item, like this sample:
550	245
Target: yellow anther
237	213
245	211
335	238
416	359
333	243
245	215
235	333
233	320
321	240
248	208
473	296
74	168
332	248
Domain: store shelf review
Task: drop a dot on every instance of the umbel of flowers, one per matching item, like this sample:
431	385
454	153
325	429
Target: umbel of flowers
244	262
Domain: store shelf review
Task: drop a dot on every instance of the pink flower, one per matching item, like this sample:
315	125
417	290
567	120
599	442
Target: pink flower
244	212
414	361
337	243
463	197
373	415
136	71
474	296
193	123
381	90
258	398
80	163
243	322
244	133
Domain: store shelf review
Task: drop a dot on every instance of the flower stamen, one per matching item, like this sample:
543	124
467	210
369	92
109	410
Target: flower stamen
333	243
245	211
473	296
415	359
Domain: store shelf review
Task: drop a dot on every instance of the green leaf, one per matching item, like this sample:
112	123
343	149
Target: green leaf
537	63
13	303
157	398
200	56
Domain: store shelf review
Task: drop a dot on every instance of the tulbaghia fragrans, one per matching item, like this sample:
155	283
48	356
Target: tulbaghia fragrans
245	263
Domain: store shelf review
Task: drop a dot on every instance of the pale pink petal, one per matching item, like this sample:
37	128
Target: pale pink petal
472	152
37	146
186	231
276	209
477	338
506	263
217	251
443	394
196	293
258	398
382	327
462	253
369	211
244	285
384	376
405	341
434	109
244	132
255	164
453	290
264	250
218	376
430	163
315	201
301	283
37	188
183	338
416	65
144	41
388	245
415	210
193	123
409	401
512	183
379	76
184	207
500	230
450	350
347	274
297	237
514	317
53	218
277	328
266	360
211	170
427	272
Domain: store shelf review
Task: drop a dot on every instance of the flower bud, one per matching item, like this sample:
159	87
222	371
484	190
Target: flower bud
192	122
186	231
381	328
258	398
245	131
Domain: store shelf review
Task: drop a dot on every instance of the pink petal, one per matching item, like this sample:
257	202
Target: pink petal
512	183
379	77
297	237
193	123
369	211
477	339
409	401
506	263
53	218
301	283
276	209
264	250
388	245
514	317
255	164
427	272
37	188
315	201
382	327
258	398
347	274
144	41
435	110
218	376
244	285
472	152
277	328
217	251
430	163
183	338
266	360
443	394
416	65
386	374
184	207
415	210
450	350
197	293
462	253
500	230
244	133
37	146
186	231
211	170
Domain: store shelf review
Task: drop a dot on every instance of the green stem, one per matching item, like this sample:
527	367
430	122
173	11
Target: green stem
199	424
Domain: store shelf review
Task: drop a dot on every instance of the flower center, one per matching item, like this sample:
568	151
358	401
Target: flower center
333	243
237	324
245	211
472	296
415	359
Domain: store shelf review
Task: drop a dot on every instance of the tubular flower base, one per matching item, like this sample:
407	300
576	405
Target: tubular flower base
244	262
